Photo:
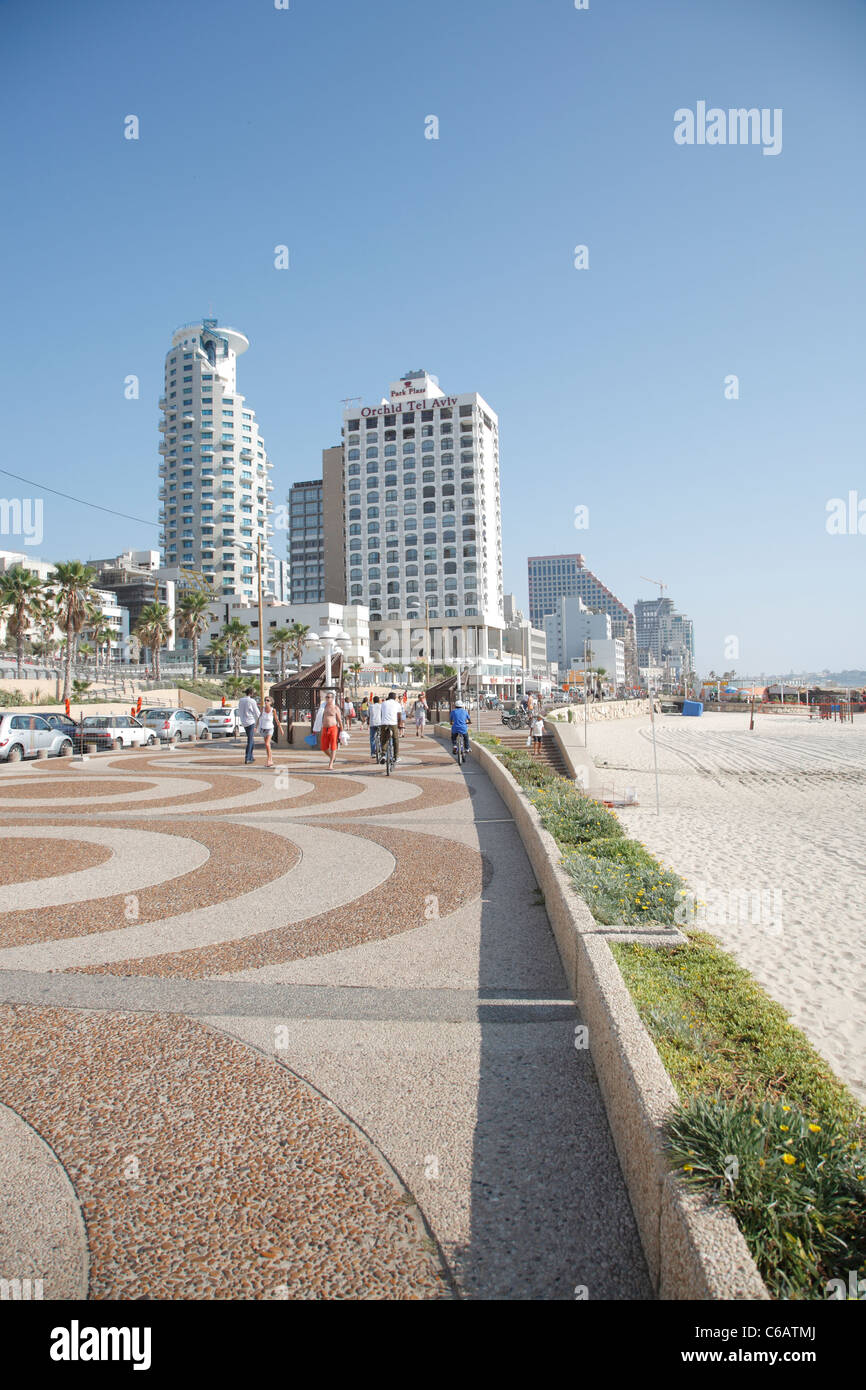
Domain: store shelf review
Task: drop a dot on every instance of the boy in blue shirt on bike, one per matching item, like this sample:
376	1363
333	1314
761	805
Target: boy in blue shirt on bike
460	722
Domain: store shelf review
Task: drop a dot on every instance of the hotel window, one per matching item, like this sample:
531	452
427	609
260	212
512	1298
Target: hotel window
372	453
446	459
412	555
354	454
448	536
429	506
427	446
408	478
390	450
408	448
373	527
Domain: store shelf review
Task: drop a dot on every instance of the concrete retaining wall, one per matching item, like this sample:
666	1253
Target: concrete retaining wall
694	1248
599	710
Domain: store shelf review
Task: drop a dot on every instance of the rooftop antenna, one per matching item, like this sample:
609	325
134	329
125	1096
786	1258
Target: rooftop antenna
350	400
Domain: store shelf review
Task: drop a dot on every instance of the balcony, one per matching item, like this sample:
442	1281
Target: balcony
162	402
188	415
162	448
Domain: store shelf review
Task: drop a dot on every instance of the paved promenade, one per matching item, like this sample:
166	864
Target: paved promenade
270	1034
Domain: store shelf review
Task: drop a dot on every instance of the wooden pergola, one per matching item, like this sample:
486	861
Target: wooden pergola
303	692
443	693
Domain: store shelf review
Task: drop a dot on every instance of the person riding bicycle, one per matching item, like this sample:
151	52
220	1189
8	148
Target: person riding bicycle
392	720
375	718
460	722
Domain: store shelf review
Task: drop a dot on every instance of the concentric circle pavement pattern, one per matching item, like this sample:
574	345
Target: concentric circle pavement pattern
203	966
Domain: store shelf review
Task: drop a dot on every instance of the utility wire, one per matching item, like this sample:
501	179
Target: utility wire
80	500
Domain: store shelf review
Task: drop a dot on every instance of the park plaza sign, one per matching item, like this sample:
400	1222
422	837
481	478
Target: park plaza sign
397	407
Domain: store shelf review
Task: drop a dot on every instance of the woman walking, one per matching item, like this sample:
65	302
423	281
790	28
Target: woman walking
267	719
420	709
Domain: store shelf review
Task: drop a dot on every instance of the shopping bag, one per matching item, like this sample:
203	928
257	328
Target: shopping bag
311	740
529	740
343	738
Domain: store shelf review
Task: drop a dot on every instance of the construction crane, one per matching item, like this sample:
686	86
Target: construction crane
660	582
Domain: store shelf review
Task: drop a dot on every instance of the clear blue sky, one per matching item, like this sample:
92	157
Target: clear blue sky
306	127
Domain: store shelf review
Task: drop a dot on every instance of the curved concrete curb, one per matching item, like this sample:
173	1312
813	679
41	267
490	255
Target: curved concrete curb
694	1248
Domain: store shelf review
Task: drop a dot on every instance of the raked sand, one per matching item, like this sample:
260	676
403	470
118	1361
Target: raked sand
767	828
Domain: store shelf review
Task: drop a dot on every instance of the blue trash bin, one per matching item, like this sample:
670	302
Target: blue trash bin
693	707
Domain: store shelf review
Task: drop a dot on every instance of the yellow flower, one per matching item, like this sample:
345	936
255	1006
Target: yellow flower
786	1107
762	1163
784	1127
688	1167
788	1158
816	1129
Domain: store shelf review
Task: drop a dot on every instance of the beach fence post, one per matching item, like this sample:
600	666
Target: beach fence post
655	751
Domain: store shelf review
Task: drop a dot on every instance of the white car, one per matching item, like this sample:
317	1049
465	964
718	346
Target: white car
114	731
174	725
24	735
222	721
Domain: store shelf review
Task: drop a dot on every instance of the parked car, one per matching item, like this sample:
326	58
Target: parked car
223	721
61	722
23	735
174	725
112	731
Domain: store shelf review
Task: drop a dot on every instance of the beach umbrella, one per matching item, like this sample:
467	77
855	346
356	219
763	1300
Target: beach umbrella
732	690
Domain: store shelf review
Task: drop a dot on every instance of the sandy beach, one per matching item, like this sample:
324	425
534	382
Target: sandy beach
767	829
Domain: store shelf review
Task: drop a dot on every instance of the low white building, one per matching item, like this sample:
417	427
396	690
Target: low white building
607	654
320	618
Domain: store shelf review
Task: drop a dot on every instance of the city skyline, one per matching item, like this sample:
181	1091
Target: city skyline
672	404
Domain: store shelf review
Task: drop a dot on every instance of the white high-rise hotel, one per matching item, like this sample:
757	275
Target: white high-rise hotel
214	484
422	507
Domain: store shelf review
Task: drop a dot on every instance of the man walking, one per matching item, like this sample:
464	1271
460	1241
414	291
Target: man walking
249	715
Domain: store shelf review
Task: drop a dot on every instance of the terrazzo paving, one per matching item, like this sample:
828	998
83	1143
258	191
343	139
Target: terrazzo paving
291	1034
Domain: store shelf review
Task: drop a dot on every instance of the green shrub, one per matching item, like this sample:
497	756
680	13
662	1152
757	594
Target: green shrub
623	892
620	850
528	771
570	816
795	1184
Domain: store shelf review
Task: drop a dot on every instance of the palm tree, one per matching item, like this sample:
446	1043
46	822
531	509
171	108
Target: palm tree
23	595
217	651
238	640
193	619
298	641
356	668
154	629
72	582
281	644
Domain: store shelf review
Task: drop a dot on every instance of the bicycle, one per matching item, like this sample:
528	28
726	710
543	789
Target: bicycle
390	754
377	743
460	748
